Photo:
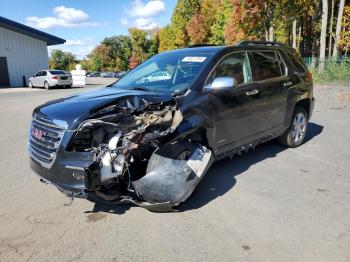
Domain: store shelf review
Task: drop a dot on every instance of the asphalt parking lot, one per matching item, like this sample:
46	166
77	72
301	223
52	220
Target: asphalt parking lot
272	204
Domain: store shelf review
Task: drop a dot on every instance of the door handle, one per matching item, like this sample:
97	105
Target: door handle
288	84
253	92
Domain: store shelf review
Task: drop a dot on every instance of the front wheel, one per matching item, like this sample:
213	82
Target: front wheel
30	85
295	134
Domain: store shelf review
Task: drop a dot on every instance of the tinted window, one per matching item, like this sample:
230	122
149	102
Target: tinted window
296	60
57	72
236	66
43	73
267	65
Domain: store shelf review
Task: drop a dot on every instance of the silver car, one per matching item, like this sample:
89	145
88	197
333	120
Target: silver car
50	78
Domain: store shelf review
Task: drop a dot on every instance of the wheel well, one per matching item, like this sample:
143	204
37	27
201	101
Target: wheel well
305	103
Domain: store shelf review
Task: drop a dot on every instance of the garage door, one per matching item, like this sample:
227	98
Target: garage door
4	73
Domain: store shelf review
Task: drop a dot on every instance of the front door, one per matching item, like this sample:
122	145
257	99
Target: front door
4	74
234	111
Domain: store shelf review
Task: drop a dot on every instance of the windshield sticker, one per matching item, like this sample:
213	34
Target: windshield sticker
194	59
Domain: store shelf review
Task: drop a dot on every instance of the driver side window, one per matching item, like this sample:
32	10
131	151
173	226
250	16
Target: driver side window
235	65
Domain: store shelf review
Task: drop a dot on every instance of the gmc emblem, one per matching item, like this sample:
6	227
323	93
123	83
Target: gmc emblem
38	134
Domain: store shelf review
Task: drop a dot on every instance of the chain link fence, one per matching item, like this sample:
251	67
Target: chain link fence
334	71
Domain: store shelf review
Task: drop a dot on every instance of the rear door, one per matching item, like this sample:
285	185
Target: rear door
270	74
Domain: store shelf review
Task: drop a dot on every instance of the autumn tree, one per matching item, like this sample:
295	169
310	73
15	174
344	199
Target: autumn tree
344	39
222	17
199	26
182	14
138	39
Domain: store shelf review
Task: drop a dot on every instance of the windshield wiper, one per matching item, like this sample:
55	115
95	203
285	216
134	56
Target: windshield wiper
141	88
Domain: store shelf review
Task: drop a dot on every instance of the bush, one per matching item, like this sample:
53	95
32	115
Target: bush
335	71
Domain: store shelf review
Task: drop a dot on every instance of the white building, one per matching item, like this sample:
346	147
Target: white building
23	52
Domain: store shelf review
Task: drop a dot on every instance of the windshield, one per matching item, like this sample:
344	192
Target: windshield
166	72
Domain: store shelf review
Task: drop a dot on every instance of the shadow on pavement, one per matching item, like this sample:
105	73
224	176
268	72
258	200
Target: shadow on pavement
221	176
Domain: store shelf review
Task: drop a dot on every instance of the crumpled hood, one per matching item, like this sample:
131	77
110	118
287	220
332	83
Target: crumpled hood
76	108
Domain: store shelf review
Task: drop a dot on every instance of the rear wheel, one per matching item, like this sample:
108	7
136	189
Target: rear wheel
295	134
47	85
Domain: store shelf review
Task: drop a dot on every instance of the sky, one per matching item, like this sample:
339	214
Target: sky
84	23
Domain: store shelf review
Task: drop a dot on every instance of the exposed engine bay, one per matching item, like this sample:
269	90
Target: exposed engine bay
138	156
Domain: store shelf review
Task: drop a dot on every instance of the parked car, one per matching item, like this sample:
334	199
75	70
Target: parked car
50	78
156	76
109	75
94	74
150	144
121	74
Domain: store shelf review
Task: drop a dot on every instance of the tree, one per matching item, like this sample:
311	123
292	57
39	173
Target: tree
338	29
183	12
199	26
62	60
197	29
246	21
221	19
344	39
154	42
100	58
166	39
119	51
323	34
139	45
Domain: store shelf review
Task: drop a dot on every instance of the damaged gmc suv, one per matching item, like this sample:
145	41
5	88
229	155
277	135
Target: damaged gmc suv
151	142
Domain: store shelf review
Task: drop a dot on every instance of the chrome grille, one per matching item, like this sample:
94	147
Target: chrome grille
44	139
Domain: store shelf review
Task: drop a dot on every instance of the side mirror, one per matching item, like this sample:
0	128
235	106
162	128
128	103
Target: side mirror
221	84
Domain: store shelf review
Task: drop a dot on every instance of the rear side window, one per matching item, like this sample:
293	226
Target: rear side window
43	73
267	65
297	61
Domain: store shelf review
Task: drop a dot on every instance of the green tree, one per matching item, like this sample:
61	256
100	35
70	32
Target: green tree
119	51
221	19
62	60
139	43
166	39
182	14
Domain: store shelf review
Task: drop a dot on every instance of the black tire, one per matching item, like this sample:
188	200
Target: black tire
47	85
177	151
294	136
69	86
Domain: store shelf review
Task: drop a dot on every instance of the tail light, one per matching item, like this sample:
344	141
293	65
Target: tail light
54	77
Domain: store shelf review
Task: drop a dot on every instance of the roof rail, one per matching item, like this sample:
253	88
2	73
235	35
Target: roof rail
200	45
251	42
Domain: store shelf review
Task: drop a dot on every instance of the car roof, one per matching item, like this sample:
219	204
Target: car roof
243	45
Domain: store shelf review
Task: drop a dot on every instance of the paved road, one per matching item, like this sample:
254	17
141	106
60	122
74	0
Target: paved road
271	204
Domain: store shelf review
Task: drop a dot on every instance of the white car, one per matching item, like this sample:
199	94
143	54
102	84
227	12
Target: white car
50	78
156	76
